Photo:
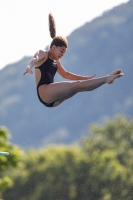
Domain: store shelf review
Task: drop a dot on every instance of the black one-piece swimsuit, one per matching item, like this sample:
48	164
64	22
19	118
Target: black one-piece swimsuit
48	70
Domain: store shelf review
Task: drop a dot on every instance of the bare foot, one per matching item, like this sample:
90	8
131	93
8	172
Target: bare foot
112	76
118	71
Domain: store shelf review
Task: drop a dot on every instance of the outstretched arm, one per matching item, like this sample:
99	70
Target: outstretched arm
68	75
39	55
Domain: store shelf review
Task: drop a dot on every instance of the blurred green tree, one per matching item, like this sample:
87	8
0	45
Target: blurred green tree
101	168
7	162
111	149
48	174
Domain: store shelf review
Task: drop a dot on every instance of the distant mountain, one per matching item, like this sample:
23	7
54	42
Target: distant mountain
99	46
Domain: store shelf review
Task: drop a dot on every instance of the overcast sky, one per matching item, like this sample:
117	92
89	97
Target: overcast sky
24	23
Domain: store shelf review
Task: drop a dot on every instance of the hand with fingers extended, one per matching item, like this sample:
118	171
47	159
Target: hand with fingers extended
90	77
28	70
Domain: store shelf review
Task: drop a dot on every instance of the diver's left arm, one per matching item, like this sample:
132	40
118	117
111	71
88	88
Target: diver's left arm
68	75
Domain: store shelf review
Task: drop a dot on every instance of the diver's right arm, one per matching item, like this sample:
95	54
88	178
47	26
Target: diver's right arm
39	55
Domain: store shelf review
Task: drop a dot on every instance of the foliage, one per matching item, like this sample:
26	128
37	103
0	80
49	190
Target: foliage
49	174
111	149
7	162
100	169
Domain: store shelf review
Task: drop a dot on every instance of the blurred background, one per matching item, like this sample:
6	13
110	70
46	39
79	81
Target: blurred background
80	145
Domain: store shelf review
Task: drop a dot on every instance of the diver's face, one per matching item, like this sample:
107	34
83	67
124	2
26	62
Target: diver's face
58	51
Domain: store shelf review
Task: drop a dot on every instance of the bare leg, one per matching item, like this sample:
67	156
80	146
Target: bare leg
57	91
59	101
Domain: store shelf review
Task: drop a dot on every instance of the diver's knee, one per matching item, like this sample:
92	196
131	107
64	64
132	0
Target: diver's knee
77	86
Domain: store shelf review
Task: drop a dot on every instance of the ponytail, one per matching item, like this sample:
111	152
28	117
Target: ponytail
57	40
52	26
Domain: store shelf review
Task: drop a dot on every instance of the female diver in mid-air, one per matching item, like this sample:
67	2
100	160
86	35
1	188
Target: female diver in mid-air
47	63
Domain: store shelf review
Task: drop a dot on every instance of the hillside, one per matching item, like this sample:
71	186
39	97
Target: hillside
99	46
